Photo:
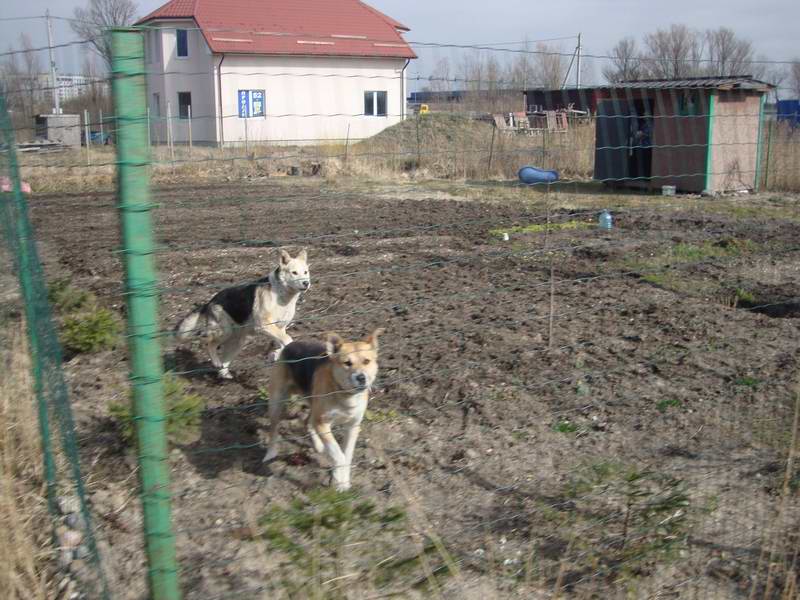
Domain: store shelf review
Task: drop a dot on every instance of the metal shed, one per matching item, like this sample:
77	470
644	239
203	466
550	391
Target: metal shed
697	134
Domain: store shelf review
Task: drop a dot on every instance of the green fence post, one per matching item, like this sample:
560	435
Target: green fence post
16	210
133	180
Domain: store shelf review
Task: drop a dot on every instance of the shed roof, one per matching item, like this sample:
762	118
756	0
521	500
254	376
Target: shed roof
291	27
731	82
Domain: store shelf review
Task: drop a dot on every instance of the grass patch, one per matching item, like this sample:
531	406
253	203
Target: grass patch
379	415
664	269
184	412
727	247
750	382
743	295
566	426
664	405
540	228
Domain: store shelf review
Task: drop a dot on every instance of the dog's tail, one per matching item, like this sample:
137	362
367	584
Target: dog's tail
191	326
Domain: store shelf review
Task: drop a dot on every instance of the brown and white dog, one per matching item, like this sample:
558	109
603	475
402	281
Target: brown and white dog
336	376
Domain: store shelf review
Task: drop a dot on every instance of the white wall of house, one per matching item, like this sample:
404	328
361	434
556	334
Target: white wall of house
309	98
169	74
306	98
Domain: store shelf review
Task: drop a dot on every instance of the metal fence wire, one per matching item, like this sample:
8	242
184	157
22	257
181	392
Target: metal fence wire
587	389
65	485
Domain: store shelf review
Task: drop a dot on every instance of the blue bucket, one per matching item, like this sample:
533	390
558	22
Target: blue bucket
531	175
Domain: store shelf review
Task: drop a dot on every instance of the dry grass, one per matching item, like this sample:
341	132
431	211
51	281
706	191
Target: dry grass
781	160
23	511
452	146
75	171
447	146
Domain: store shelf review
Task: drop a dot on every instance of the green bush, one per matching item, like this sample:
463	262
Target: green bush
632	520
184	412
65	298
90	331
85	327
321	535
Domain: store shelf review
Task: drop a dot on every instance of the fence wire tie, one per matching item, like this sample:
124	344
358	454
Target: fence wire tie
139	380
150	419
137	208
155	457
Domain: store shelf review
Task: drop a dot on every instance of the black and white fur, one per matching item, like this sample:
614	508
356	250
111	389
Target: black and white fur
235	313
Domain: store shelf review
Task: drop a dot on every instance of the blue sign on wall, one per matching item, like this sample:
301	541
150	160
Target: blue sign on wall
244	104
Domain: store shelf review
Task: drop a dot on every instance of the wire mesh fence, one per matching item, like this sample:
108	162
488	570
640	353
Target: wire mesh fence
564	407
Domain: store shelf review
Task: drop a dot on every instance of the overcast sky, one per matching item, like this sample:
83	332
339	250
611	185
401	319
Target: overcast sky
772	25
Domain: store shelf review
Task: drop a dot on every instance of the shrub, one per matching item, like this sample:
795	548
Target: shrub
329	532
65	298
90	331
184	411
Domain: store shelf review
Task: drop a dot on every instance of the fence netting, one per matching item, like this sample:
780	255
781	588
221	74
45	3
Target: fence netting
587	383
74	538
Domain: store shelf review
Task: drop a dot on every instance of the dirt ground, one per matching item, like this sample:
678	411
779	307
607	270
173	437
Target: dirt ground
640	452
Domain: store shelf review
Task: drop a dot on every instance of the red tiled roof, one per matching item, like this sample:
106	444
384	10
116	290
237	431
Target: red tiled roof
305	27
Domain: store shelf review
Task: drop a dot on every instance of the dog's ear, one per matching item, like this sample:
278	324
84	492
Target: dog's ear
285	257
372	340
333	342
302	255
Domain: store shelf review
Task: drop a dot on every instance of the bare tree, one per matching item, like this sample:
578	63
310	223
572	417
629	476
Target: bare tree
549	67
728	54
440	76
473	68
625	62
22	82
520	72
672	53
680	52
30	82
91	24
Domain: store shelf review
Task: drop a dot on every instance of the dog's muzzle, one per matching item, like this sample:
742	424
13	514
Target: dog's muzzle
359	380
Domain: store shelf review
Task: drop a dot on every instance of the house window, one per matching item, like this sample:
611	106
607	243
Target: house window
184	104
183	43
156	105
375	104
251	104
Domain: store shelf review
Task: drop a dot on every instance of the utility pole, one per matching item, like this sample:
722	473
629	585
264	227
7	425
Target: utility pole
578	63
53	80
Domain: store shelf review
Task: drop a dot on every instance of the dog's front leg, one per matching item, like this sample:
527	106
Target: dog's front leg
349	442
336	456
279	336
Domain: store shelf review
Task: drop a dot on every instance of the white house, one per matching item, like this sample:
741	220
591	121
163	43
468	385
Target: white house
280	71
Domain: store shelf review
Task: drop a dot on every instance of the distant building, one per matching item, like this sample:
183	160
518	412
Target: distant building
69	86
72	86
696	134
285	71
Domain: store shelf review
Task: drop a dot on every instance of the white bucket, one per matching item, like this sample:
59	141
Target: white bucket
668	190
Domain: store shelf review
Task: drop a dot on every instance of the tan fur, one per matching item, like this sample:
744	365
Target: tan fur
338	398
